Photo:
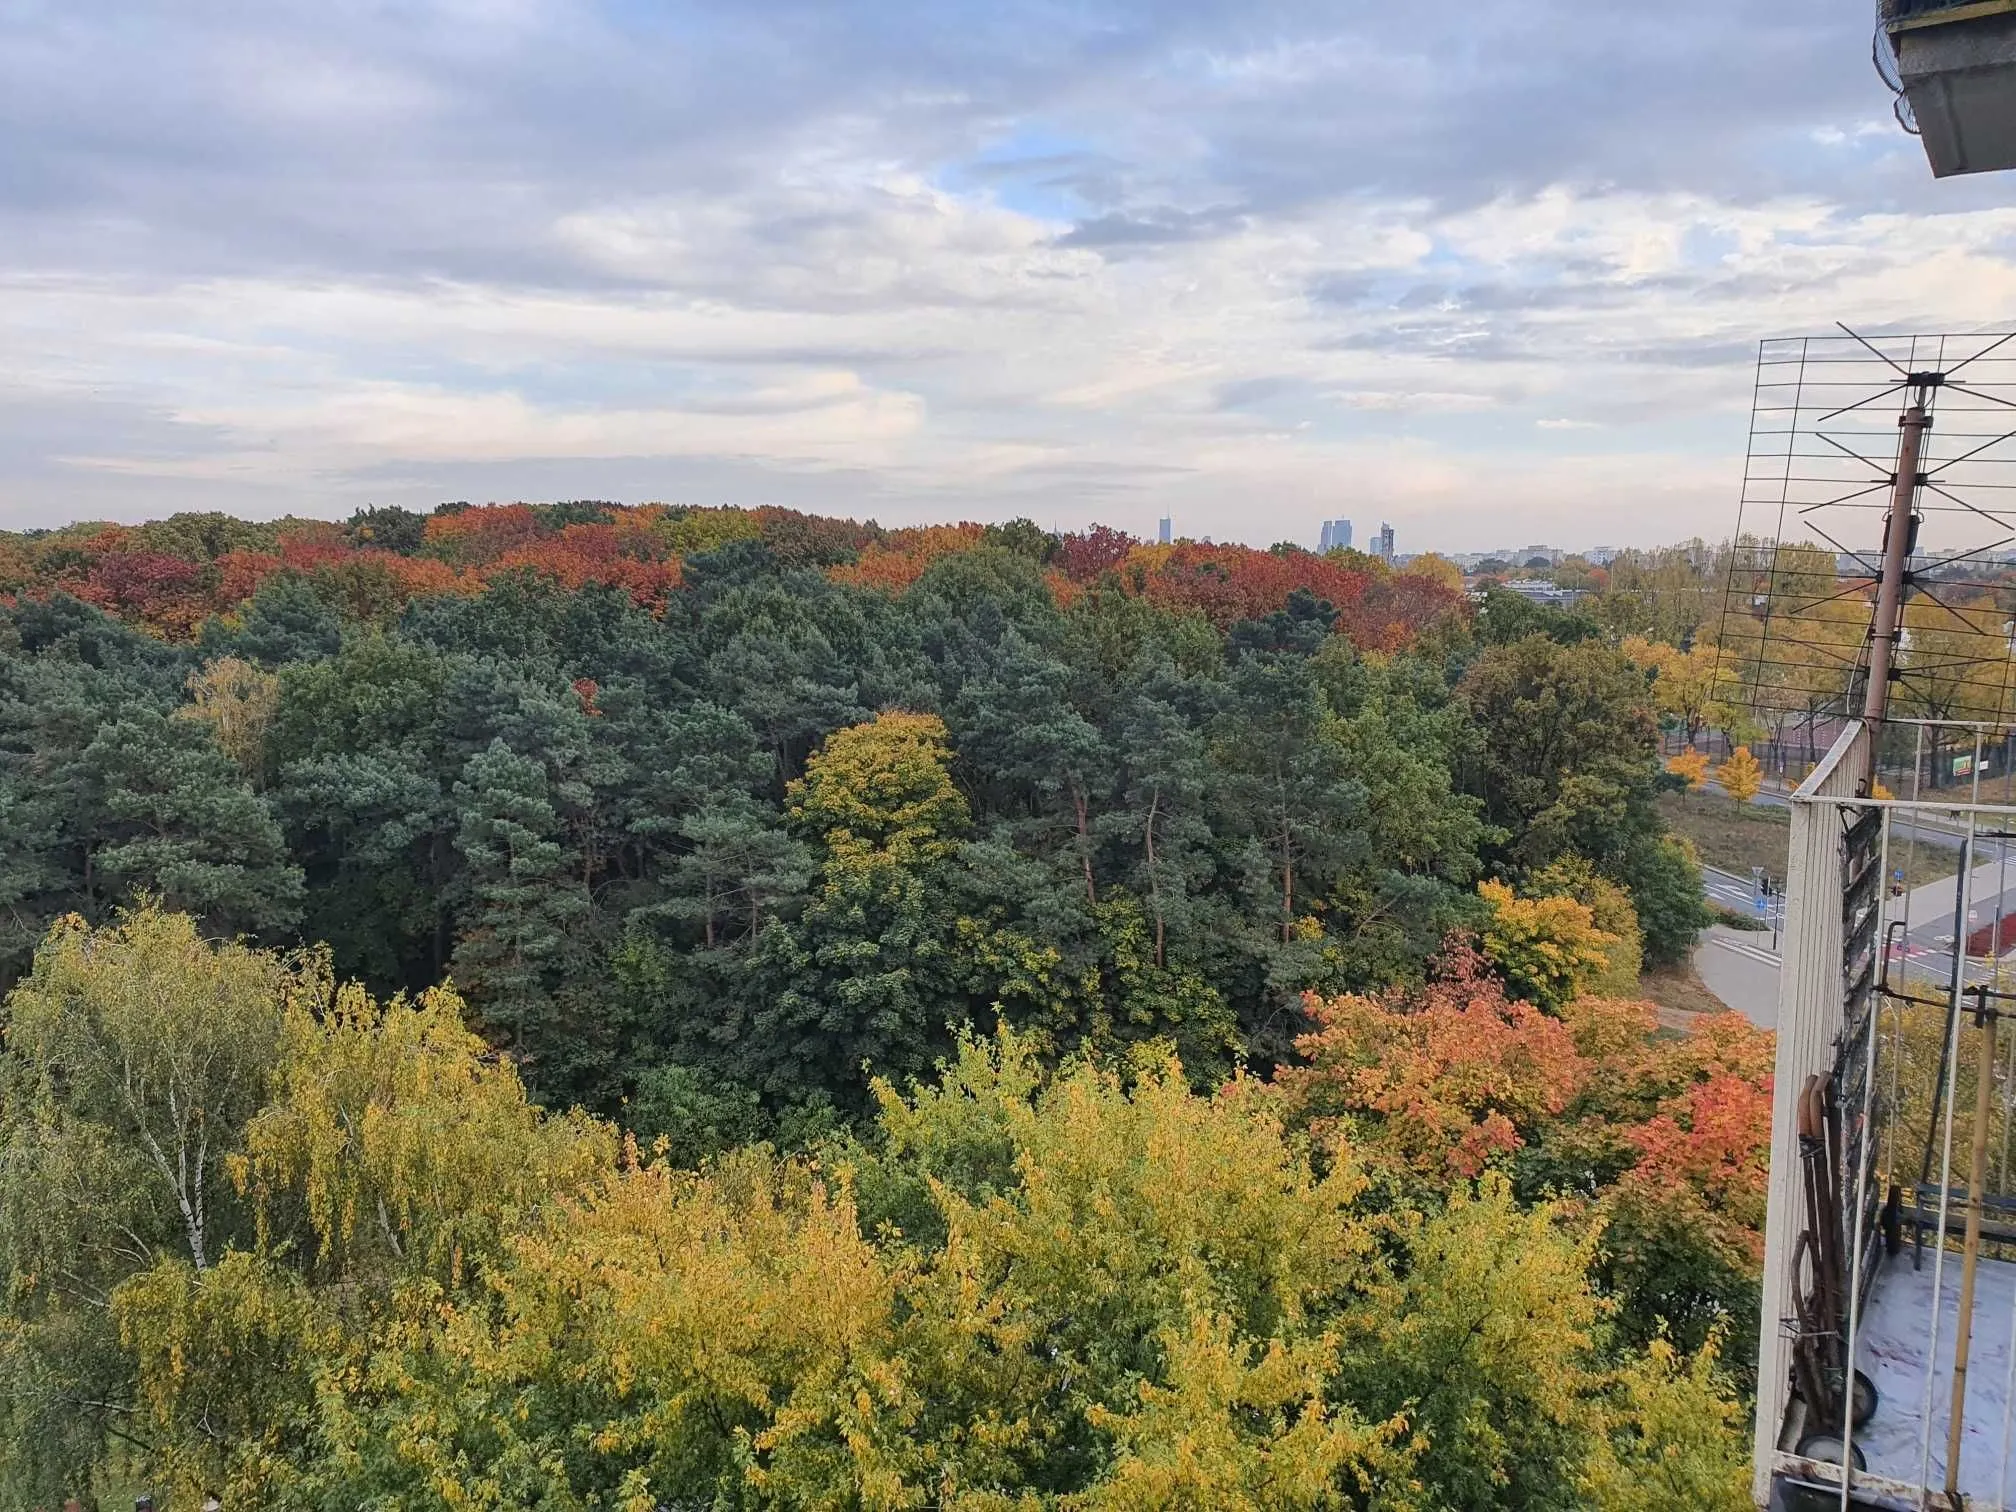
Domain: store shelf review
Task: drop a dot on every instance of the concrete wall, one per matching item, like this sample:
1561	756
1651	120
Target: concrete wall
1809	1019
1959	72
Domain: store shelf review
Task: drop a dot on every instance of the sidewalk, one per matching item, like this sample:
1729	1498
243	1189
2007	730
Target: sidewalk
1735	965
1933	903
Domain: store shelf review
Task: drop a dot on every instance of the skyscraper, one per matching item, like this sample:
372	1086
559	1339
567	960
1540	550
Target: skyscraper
1384	550
1336	533
1167	534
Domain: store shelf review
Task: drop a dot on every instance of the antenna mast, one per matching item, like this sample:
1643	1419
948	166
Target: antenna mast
1873	574
1900	536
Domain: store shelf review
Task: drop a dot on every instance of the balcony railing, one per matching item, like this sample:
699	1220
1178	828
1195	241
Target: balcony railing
1888	1354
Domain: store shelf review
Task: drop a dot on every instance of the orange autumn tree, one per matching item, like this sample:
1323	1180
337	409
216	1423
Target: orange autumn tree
173	575
895	563
1692	767
472	537
624	554
1673	1134
1437	1080
1376	609
1662	1139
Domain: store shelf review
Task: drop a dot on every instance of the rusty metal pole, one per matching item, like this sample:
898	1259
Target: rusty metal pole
1889	623
1977	1188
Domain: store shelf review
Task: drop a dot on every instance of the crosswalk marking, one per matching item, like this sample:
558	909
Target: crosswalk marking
1741	948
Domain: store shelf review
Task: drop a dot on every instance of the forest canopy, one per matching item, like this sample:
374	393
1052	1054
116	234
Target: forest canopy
619	1007
704	811
272	1239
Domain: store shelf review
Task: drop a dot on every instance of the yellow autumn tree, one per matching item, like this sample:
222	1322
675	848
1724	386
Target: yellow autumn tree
1676	1439
1549	950
882	792
1019	1286
1692	765
1437	569
1612	911
133	1057
1687	688
1741	776
237	701
1954	666
403	1142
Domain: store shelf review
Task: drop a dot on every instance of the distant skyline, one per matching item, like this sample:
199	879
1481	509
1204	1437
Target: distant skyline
1491	272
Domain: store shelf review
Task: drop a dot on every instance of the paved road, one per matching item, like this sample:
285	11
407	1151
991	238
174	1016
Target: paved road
1735	965
1741	966
1727	890
1928	916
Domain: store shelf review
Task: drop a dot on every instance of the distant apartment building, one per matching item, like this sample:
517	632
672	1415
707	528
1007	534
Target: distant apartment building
1336	533
1384	549
1167	533
1540	591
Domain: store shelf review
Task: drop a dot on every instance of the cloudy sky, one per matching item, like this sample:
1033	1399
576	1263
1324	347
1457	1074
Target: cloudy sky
1491	271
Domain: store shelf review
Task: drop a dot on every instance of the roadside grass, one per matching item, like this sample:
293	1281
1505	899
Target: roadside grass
1734	837
1679	994
1730	836
1729	918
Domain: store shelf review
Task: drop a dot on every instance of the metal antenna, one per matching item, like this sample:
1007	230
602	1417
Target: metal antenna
1871	571
1900	532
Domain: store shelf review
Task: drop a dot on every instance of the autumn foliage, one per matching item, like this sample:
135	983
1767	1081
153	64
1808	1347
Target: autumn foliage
896	562
1377	609
1741	775
1691	767
173	575
1667	1136
1059	1287
1438	1080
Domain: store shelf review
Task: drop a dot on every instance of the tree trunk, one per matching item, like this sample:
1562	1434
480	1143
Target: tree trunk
1287	884
1084	844
443	935
1154	875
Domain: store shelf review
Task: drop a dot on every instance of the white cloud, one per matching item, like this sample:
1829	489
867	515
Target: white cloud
531	242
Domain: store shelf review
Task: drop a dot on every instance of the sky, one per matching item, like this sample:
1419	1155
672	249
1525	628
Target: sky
1493	272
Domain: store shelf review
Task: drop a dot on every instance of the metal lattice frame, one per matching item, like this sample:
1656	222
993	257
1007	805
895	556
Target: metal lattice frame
1821	464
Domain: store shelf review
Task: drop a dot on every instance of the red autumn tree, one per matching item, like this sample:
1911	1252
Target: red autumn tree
1445	1078
167	594
1085	556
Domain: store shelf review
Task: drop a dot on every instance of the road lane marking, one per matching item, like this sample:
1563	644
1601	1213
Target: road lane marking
1739	948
